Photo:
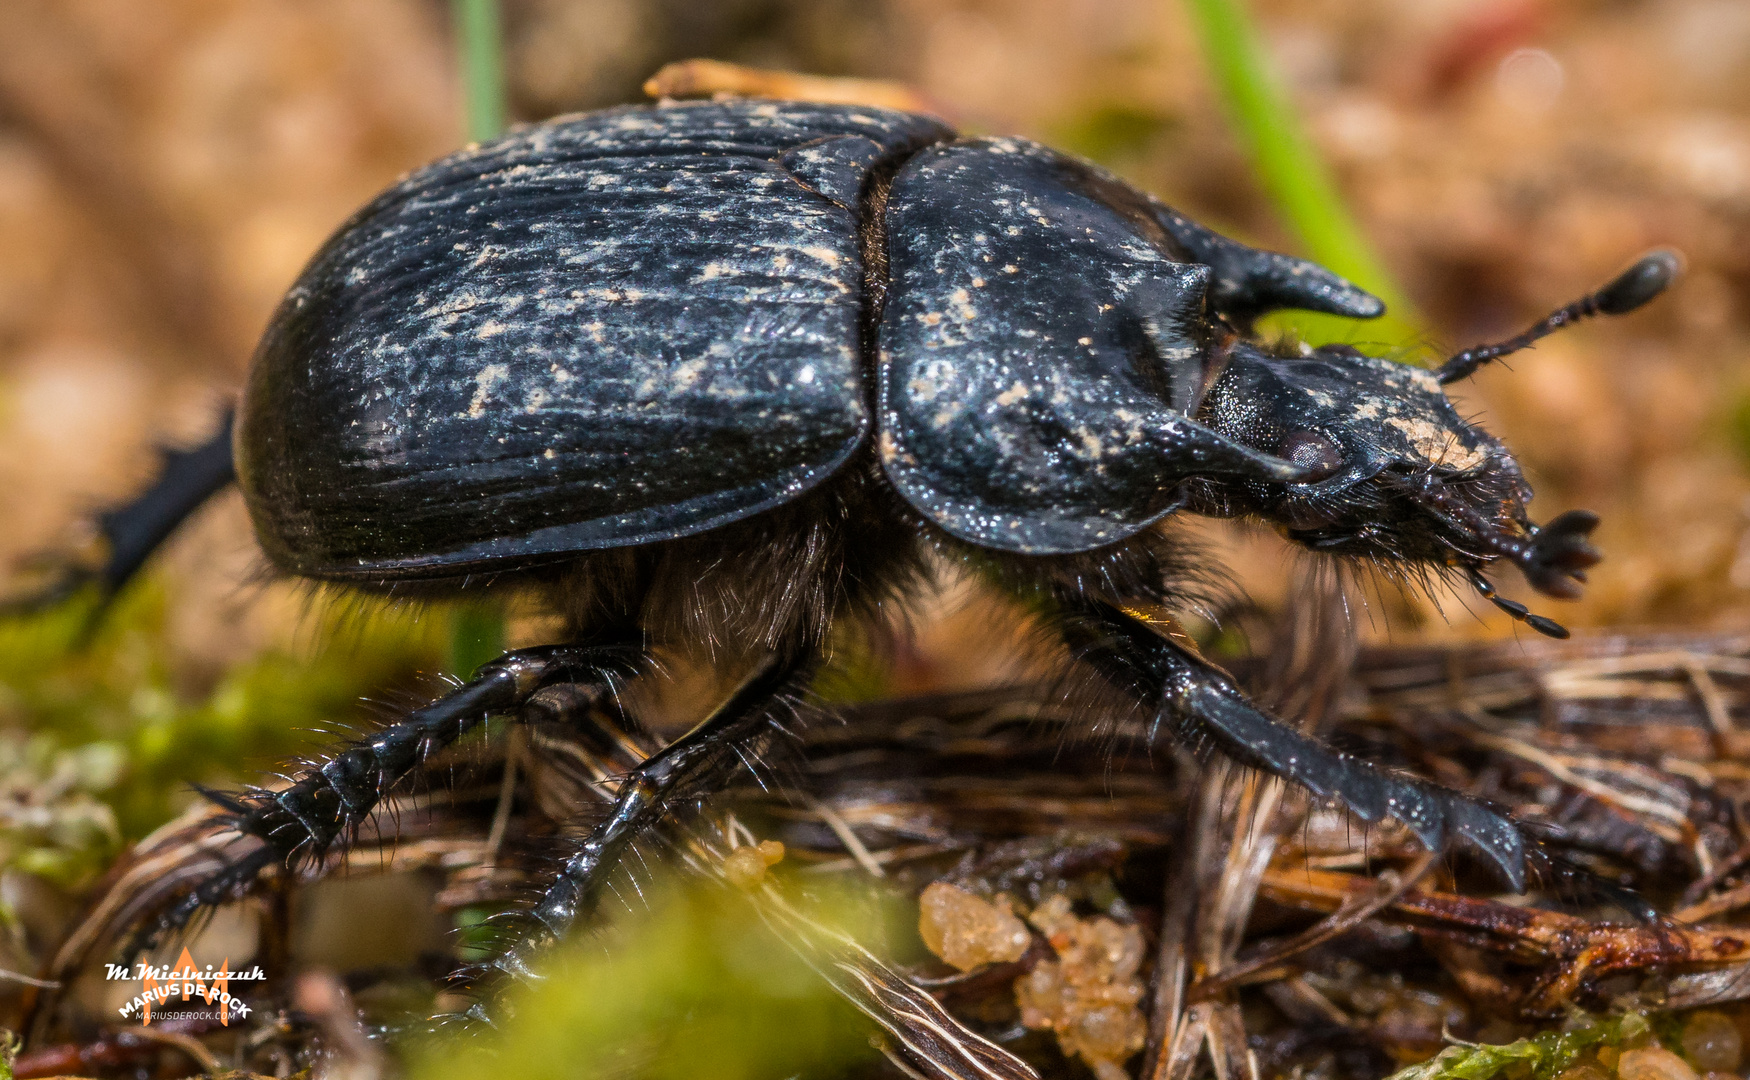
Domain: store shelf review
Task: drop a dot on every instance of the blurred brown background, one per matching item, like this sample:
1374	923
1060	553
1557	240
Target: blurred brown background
166	167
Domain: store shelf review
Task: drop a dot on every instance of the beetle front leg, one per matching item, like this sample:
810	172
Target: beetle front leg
1197	701
331	798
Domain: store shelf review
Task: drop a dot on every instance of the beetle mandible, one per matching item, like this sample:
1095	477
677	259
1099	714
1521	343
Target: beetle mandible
723	374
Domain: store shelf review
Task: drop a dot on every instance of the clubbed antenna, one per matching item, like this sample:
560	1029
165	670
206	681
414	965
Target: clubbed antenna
1647	278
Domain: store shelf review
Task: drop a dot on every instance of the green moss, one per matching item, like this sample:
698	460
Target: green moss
696	986
101	740
476	637
1541	1057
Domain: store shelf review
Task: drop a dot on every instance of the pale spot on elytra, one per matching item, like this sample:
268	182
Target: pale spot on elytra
490	376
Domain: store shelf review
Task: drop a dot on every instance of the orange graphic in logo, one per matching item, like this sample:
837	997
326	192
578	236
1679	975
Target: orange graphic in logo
194	984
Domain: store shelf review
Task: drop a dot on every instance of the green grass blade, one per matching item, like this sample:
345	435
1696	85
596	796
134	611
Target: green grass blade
1294	176
480	56
477	633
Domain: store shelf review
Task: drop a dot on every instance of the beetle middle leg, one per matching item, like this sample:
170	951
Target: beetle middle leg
1198	702
693	766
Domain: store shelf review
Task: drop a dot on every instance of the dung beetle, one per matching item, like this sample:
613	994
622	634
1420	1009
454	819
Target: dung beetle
717	376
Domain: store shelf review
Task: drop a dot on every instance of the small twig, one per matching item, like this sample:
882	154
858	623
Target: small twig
884	858
1670	660
1356	910
1718	718
898	1062
1700	887
1714	906
1559	769
1572	951
1694	770
1229	1051
842	829
28	980
1302	1002
506	796
1178	1061
1175	1030
188	1044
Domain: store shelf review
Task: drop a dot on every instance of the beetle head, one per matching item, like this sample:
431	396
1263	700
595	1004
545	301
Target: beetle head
1392	472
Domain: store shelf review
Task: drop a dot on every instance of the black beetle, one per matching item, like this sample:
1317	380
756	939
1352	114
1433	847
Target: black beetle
717	375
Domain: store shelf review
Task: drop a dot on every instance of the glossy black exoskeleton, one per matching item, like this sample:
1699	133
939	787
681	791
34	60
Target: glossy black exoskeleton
714	376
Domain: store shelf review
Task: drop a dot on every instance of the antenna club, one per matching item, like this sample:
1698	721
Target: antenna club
1651	275
1647	278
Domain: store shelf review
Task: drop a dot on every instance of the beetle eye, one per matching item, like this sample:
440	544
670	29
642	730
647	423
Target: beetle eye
1313	452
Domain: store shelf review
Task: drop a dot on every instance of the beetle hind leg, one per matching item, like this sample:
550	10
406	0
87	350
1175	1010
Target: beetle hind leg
327	802
133	531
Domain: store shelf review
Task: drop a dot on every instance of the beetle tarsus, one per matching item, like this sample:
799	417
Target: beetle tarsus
136	529
187	480
232	882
